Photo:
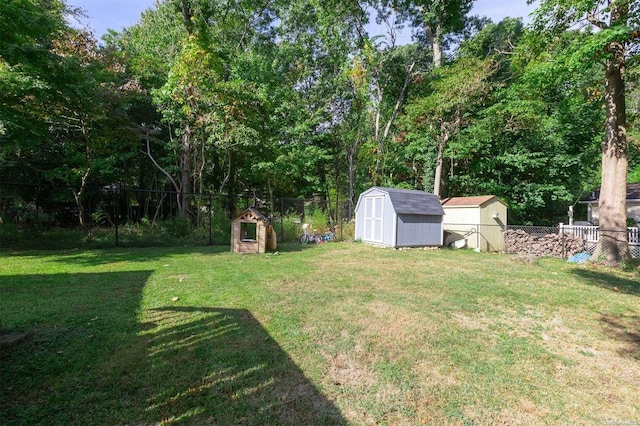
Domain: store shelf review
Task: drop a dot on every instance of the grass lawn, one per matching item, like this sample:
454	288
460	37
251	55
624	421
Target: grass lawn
338	333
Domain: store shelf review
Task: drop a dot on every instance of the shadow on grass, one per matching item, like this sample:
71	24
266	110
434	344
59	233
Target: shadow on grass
111	255
95	257
609	281
626	330
293	247
55	329
75	349
622	328
219	366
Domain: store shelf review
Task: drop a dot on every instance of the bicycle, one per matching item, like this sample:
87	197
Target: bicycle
330	234
313	237
309	237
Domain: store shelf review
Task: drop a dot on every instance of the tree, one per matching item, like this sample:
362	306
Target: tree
532	140
437	19
452	95
82	118
59	100
317	39
186	53
393	70
609	45
27	77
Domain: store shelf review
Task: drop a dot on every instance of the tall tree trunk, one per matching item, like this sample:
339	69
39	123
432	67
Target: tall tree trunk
612	206
185	171
434	37
158	166
612	245
272	200
446	130
382	137
438	174
351	159
77	196
230	182
321	171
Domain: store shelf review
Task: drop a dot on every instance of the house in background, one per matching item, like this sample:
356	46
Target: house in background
475	222
393	217
633	203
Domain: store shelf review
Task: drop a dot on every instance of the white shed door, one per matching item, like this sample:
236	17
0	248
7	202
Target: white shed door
373	219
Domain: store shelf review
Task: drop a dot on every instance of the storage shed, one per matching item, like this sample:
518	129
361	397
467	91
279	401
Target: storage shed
251	232
399	218
478	220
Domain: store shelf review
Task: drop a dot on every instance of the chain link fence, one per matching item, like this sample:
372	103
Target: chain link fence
34	216
560	241
481	237
45	216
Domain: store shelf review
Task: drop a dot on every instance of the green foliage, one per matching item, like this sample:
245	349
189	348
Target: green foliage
448	104
316	217
288	228
175	232
295	99
494	39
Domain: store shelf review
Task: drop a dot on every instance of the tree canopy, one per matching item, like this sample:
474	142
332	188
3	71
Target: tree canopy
296	99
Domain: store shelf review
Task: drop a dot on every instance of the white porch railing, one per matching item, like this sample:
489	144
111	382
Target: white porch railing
590	235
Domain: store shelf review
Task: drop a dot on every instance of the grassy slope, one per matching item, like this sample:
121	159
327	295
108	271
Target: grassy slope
336	333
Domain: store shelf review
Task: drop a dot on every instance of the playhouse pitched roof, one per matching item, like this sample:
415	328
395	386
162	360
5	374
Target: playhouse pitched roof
408	201
476	201
251	214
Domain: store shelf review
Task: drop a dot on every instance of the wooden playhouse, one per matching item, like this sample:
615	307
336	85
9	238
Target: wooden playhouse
251	232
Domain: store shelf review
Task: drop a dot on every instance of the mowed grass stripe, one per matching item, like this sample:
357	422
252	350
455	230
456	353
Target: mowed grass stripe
338	333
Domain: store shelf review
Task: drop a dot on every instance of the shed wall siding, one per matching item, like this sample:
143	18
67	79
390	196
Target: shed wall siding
359	234
477	225
419	230
461	222
388	224
633	210
461	215
492	228
378	222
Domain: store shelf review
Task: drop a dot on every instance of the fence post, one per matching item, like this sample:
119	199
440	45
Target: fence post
281	220
564	244
210	219
117	213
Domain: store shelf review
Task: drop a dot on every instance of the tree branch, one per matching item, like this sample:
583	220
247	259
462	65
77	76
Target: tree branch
173	182
593	20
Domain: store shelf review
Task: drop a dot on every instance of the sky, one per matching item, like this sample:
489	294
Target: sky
118	14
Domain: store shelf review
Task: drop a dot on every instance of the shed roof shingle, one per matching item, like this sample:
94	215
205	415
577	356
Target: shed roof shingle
408	201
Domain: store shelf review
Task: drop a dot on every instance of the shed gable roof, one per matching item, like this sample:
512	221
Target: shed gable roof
477	201
408	201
